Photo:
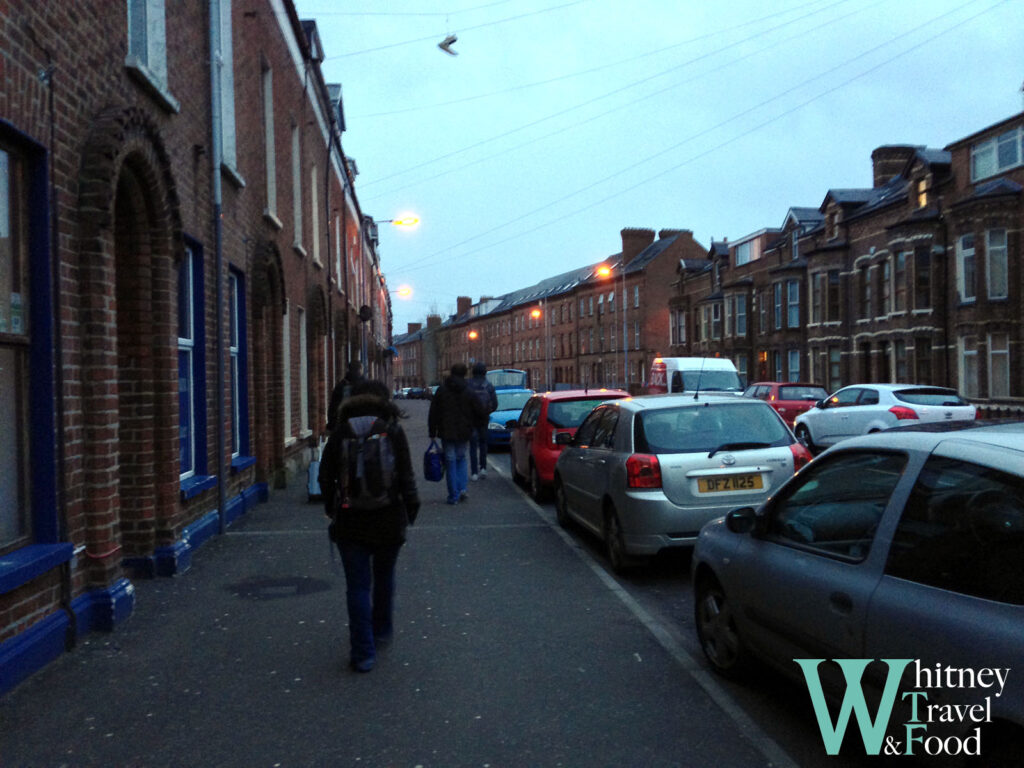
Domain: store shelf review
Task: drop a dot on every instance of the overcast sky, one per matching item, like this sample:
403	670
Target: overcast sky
561	122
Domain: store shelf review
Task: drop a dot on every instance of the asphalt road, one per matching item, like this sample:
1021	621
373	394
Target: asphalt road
514	646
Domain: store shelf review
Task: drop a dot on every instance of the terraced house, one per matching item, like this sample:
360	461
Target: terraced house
184	271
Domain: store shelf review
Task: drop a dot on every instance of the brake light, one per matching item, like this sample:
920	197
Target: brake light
801	456
901	412
643	471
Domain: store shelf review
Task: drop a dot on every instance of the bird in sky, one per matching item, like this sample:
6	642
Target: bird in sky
446	45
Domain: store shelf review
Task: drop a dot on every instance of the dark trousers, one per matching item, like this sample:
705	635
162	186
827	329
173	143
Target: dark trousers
370	593
478	449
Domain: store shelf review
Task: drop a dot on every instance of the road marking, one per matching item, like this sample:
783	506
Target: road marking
761	741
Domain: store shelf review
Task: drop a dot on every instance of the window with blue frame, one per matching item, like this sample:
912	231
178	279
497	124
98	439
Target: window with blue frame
238	353
192	373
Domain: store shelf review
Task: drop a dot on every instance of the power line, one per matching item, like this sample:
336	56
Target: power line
407	13
421	263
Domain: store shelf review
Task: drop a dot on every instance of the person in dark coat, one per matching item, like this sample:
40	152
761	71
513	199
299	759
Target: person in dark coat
353	377
453	410
369	541
484	392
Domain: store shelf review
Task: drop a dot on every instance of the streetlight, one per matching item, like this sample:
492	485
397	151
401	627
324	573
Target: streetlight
407	220
538	313
606	271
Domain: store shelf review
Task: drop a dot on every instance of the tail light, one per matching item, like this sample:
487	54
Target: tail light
901	412
801	456
643	471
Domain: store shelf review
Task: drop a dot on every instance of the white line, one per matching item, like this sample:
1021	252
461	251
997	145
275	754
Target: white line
706	680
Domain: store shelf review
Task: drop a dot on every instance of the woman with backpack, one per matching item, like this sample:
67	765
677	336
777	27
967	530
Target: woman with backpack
369	490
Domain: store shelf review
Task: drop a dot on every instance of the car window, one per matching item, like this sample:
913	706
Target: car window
963	530
528	417
604	436
844	397
511	401
570	413
709	381
585	434
837	502
930	396
802	393
868	397
693	429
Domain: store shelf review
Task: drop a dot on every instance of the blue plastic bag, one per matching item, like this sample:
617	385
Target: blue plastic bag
433	463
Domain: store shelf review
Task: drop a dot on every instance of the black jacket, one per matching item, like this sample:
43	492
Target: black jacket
453	411
380	527
484	392
341	391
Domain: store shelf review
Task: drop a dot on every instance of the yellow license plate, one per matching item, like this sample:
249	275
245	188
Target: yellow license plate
729	483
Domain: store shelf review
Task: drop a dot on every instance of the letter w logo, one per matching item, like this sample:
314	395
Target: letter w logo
871	732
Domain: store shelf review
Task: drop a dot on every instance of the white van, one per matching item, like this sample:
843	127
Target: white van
693	374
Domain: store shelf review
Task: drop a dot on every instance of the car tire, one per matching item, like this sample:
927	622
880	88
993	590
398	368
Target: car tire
561	505
516	477
537	489
716	629
614	544
803	434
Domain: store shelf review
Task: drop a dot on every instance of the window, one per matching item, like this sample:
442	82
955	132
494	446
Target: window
227	88
742	254
836	506
835	378
636	296
191	392
969	366
777	359
590	305
269	148
763	304
997	154
741	316
921	188
239	369
729	303
832	303
900	350
900	282
817	286
865	293
923	359
794	365
314	213
147	47
886	293
582	307
995	261
296	188
962	530
303	372
716	320
777	290
998	365
636	334
286	362
611	302
965	268
600	305
922	277
795	248
793	304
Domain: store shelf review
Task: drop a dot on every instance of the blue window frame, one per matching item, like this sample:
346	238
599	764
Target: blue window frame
238	352
191	370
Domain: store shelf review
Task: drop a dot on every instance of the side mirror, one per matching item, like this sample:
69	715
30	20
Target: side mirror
511	424
820	404
563	438
741	520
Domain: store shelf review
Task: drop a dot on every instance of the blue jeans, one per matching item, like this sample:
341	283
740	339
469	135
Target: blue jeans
369	593
455	469
478	448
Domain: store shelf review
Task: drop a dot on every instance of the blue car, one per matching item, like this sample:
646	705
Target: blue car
510	405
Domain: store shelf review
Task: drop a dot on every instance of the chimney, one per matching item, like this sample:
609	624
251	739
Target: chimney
413	327
464	303
433	321
888	161
672	233
634	241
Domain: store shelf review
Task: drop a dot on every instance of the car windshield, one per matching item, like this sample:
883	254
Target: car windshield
802	393
711	381
512	401
507	377
930	396
571	413
705	428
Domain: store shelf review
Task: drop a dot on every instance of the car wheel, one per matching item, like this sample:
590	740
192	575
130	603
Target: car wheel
516	478
803	434
716	629
614	543
561	504
537	489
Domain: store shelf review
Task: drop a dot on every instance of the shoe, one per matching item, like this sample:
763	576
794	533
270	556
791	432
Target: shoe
483	473
474	477
365	665
463	496
452	501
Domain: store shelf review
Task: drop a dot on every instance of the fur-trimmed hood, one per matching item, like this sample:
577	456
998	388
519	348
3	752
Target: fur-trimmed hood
368	405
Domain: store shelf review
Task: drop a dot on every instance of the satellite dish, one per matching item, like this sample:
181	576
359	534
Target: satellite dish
365	313
446	45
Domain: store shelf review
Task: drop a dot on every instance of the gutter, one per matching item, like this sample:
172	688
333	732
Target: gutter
216	62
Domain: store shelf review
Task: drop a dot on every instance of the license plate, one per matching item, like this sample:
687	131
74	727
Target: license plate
729	483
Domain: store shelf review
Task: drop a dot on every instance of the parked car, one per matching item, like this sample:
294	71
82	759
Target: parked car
532	447
864	408
646	473
907	544
789	398
417	393
510	405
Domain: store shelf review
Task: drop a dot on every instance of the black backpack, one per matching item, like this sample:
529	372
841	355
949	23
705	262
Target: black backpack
366	469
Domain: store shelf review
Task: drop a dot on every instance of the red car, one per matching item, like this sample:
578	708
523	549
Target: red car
788	398
532	449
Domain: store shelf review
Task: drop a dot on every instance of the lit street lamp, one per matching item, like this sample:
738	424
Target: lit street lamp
539	313
606	271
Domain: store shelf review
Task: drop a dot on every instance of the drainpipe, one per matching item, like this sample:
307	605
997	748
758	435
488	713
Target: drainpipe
216	62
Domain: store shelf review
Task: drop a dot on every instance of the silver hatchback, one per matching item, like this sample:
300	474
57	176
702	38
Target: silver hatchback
646	473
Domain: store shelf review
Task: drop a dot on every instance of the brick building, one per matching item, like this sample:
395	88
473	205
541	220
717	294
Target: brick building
183	262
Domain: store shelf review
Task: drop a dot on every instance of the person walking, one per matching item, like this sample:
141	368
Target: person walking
369	490
487	398
353	377
453	411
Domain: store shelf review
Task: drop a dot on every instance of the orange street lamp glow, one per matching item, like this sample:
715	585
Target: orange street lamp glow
404	291
604	270
473	335
535	314
406	220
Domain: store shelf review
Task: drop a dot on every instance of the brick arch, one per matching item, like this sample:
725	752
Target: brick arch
268	304
129	240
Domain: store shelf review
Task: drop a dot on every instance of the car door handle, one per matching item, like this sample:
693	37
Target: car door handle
841	602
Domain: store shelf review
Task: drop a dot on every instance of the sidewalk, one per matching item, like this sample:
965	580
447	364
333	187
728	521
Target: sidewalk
508	652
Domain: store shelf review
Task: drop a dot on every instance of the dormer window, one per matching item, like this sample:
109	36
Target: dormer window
832	224
922	192
796	244
997	154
